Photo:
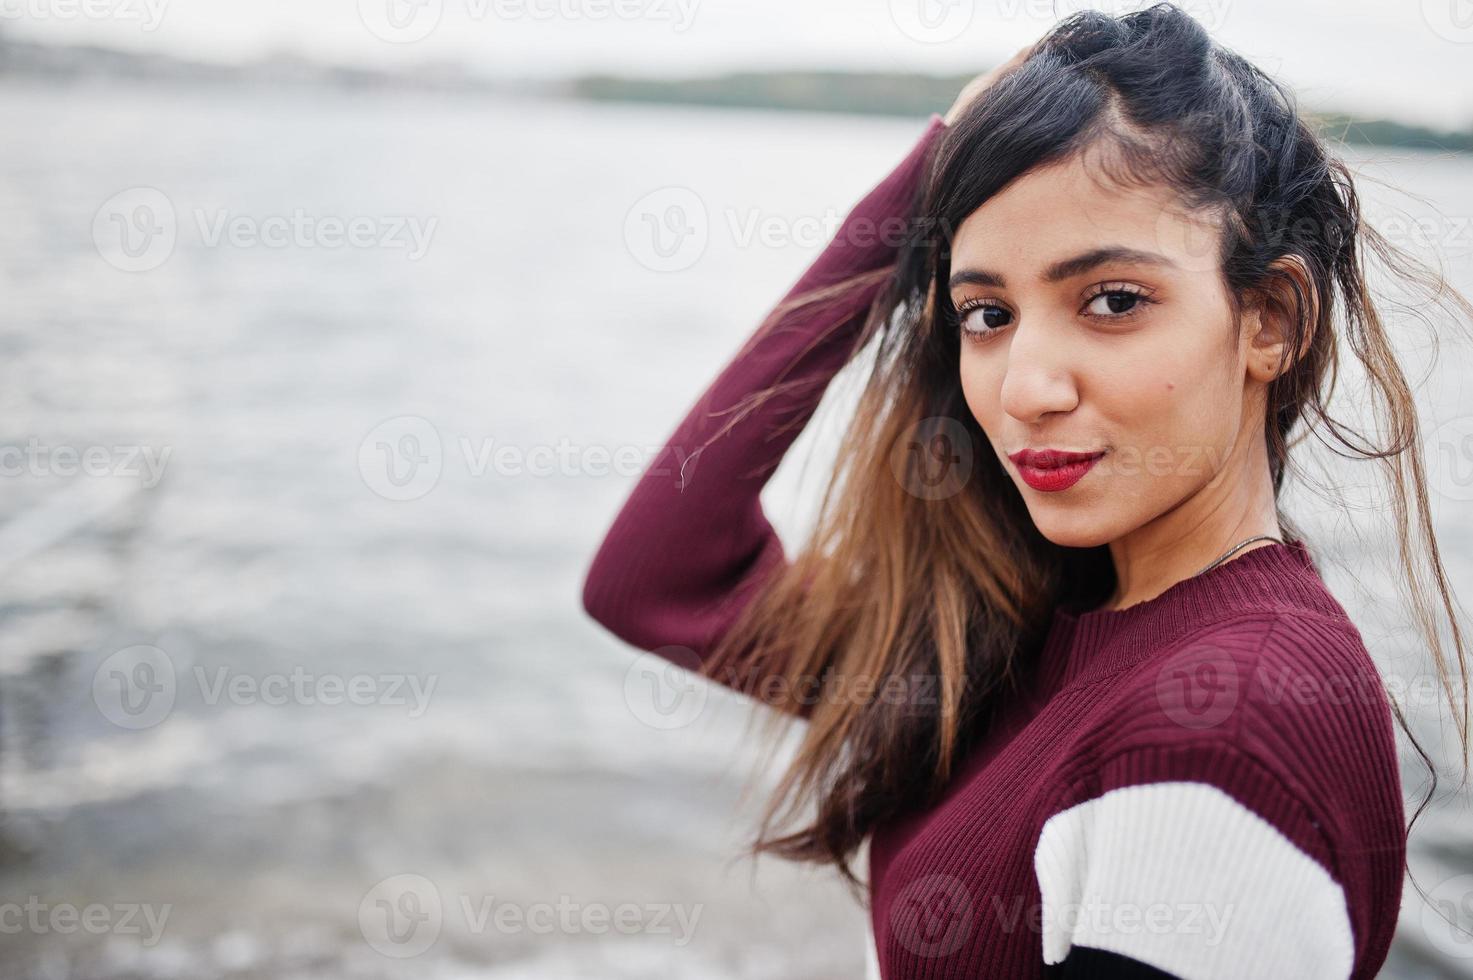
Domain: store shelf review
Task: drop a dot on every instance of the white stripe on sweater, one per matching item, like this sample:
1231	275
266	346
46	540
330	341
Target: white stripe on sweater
1182	876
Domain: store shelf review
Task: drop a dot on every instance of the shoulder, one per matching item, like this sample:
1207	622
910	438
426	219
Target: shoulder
1254	763
1283	712
1252	682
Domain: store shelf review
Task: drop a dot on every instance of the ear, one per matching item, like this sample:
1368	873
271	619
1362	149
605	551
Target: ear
1288	305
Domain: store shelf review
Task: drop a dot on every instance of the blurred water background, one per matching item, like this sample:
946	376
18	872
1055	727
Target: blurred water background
326	502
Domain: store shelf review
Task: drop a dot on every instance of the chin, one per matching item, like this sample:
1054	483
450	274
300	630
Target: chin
1081	530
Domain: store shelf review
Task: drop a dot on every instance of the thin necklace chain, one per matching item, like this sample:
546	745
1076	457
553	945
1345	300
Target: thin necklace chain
1226	554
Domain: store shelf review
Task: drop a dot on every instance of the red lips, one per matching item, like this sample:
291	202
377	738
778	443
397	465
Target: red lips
1052	470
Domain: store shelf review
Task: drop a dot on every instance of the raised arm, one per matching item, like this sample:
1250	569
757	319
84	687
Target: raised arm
692	544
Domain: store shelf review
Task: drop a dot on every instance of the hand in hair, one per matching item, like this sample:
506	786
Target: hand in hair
974	89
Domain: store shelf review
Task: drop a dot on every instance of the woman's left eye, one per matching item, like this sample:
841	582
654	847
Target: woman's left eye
1116	303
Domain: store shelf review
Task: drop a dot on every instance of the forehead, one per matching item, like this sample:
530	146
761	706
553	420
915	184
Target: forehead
1071	206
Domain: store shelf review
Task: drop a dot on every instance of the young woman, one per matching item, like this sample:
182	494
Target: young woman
1064	663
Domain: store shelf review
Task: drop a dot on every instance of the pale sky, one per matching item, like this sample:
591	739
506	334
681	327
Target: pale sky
1410	58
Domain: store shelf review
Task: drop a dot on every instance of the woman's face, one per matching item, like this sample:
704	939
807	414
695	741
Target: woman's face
1094	320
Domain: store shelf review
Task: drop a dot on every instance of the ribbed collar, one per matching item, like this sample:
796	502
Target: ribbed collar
1084	645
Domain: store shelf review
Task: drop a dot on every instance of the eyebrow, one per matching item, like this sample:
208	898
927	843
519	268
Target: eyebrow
1066	268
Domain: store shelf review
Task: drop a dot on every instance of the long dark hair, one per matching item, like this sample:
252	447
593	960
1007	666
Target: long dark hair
895	584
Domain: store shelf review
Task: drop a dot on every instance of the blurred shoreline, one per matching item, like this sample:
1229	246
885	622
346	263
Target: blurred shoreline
907	94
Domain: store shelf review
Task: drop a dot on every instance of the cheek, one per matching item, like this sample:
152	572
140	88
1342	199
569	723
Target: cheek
1173	415
1134	387
981	387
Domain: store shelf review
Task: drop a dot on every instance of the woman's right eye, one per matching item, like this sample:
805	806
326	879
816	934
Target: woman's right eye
980	318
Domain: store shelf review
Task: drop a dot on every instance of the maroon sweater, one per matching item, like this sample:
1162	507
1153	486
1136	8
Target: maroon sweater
1200	785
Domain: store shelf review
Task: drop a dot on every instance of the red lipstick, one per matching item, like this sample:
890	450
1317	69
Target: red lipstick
1051	470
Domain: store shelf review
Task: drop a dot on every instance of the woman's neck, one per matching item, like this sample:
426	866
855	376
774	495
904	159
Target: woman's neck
1174	567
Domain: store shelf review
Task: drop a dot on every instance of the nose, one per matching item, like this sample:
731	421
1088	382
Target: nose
1040	376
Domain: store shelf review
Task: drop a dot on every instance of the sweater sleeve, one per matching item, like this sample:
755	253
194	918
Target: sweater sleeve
691	545
1248	823
1223	874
